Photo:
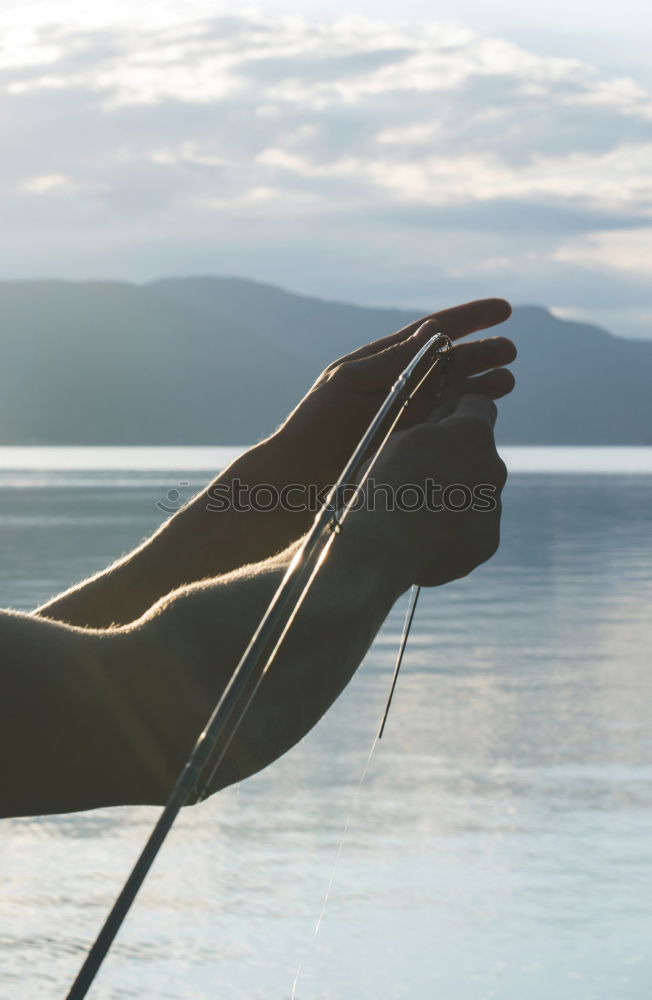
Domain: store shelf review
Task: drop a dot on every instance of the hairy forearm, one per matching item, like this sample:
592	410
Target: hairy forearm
195	544
105	718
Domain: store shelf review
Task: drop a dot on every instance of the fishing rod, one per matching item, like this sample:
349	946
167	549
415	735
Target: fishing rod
213	742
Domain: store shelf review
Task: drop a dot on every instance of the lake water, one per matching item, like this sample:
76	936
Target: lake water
500	846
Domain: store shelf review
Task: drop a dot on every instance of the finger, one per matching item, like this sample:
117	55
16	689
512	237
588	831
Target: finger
473	316
495	384
478	356
456	322
468	360
383	343
476	406
377	372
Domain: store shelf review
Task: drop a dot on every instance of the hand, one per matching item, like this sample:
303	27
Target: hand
313	445
318	437
433	546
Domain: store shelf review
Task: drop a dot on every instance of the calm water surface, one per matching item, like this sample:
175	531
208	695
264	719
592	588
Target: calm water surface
501	843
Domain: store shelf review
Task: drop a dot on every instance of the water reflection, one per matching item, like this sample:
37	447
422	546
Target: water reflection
501	844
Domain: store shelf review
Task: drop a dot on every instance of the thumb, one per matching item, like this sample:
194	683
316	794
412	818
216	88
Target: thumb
378	371
477	406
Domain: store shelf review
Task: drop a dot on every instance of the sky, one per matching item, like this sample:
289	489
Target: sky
337	149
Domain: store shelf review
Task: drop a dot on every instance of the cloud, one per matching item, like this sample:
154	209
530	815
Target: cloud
321	150
45	183
625	250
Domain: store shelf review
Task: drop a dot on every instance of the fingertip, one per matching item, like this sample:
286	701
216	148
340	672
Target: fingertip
503	309
504	349
505	382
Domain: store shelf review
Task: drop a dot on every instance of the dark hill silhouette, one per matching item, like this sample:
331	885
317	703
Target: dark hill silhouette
210	360
318	329
113	363
577	384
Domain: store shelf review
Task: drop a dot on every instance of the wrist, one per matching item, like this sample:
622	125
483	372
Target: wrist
373	548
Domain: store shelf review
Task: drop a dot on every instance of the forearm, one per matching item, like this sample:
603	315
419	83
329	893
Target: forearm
95	718
197	543
350	598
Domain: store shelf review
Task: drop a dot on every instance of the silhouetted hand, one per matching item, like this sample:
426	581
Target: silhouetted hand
312	446
451	463
321	433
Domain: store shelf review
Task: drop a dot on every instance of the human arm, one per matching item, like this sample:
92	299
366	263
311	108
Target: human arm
311	447
92	718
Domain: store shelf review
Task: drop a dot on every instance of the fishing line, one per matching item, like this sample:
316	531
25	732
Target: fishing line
345	830
409	618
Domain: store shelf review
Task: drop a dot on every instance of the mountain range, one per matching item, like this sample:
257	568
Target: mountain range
221	360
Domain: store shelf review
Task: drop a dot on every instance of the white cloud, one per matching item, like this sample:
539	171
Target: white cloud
624	250
317	65
20	47
44	184
622	94
409	135
388	140
617	181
